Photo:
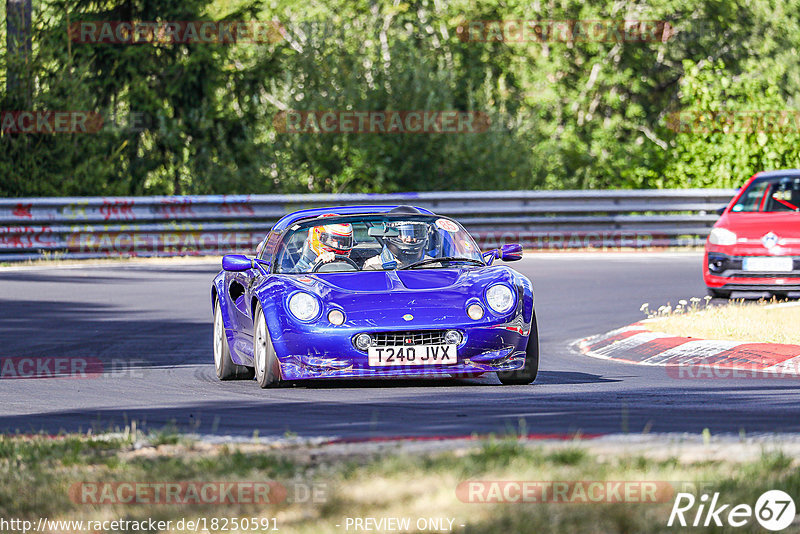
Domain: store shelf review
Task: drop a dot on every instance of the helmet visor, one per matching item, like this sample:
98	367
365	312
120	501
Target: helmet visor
411	232
336	242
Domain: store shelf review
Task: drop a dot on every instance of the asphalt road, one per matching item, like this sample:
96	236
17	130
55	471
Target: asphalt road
149	326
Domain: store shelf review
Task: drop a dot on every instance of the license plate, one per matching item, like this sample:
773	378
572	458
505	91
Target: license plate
768	264
396	356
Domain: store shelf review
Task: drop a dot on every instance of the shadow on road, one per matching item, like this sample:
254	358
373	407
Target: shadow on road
101	333
435	411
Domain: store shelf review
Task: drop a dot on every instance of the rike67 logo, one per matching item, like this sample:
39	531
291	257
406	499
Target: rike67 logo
774	510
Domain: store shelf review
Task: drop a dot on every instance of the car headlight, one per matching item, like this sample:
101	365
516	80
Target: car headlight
304	306
475	311
453	337
722	236
363	342
336	317
500	298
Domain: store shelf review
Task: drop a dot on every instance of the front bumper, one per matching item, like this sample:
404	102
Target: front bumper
768	287
329	353
723	268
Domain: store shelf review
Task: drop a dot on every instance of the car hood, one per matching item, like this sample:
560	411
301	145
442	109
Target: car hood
367	282
408	298
754	225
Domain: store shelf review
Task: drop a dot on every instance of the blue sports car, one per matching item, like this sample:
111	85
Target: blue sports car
370	292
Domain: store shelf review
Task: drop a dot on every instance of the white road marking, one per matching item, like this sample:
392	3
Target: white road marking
691	353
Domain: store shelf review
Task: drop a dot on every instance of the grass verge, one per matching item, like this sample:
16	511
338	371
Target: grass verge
738	320
37	475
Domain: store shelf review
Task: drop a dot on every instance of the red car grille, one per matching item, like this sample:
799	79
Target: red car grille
733	266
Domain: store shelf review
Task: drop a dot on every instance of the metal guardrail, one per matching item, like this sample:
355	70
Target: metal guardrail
32	228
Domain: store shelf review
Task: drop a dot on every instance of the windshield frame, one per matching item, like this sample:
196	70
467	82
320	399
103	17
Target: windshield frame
307	223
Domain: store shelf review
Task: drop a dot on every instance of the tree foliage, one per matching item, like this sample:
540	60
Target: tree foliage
184	118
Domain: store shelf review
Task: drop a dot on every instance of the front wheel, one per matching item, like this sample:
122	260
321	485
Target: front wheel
268	372
526	375
223	365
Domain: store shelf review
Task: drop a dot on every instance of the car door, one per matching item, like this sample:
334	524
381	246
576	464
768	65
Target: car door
240	315
241	289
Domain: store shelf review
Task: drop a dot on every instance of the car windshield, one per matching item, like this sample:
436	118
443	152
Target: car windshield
334	243
770	194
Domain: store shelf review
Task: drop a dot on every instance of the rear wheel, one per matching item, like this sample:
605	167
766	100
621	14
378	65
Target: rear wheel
223	365
526	375
268	372
719	293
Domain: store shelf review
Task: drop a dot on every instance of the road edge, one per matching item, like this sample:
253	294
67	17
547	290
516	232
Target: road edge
689	357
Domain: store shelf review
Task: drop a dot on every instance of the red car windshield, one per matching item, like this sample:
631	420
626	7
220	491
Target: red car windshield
770	194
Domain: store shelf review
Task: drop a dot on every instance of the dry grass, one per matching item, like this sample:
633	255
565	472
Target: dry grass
761	322
36	474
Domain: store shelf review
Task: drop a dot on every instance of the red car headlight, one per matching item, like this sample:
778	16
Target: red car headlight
722	236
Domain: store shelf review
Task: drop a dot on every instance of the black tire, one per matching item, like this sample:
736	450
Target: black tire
526	375
223	365
719	293
268	372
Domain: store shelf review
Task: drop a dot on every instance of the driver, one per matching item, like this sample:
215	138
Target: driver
406	248
324	243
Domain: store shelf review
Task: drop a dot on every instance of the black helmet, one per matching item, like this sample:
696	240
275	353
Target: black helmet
409	245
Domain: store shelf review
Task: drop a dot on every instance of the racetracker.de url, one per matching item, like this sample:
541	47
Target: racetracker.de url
200	524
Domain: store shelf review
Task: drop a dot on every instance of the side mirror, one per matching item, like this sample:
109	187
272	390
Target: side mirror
236	262
511	252
240	262
721	210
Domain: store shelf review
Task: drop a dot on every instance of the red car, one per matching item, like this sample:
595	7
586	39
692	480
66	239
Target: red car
755	245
